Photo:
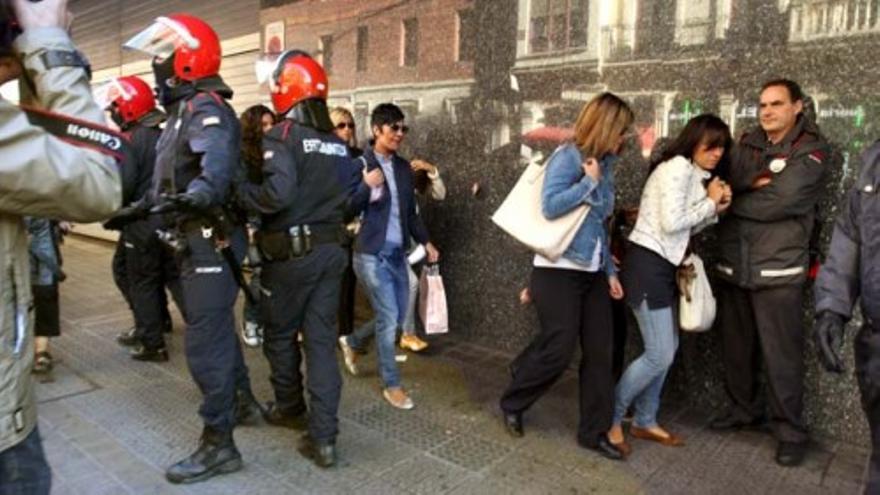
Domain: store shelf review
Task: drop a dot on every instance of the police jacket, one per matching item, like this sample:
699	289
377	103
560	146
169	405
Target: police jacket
764	237
376	215
198	150
137	174
852	269
43	176
308	179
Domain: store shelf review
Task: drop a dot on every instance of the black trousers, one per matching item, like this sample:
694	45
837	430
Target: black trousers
305	295
620	315
120	273
867	351
213	352
765	326
347	296
47	314
150	268
572	307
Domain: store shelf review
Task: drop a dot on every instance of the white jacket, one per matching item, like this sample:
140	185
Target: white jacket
674	206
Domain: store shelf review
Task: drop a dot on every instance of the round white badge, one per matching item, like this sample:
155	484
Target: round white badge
777	165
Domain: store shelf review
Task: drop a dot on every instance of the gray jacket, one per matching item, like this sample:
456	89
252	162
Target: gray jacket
41	176
852	269
764	238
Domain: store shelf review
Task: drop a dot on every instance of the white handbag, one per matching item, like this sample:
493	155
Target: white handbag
521	216
697	304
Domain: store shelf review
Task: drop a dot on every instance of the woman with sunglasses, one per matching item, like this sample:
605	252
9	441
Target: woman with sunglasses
344	128
573	294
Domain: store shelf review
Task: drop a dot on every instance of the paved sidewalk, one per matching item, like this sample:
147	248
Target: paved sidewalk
111	425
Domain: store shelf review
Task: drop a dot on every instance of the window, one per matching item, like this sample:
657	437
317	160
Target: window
410	109
409	56
466	27
699	21
326	49
363	46
557	25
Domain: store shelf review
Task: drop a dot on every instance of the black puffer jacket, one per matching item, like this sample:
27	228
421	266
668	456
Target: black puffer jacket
852	269
764	239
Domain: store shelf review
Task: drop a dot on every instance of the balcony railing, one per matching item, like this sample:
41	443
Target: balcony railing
617	40
823	19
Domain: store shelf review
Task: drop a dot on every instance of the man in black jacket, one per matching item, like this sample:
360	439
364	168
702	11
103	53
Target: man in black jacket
852	273
778	172
308	179
147	265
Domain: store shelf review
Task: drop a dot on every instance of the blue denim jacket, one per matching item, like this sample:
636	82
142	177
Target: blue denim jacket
566	187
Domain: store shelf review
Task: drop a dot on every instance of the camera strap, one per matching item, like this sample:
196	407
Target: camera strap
81	133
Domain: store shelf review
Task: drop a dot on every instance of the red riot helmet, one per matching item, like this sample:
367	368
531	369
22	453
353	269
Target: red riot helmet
192	43
293	77
127	98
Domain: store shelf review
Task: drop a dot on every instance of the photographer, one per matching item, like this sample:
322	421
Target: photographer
46	177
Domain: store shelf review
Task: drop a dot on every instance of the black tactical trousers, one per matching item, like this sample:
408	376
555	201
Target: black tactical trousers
305	296
212	349
867	351
120	273
765	326
150	267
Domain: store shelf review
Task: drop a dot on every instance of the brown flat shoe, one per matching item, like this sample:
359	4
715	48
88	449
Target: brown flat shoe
670	441
624	447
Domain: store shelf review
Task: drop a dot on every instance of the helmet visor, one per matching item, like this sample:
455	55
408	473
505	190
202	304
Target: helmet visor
109	92
267	67
162	38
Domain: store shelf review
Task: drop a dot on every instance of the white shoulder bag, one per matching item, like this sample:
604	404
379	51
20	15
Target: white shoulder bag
521	216
697	304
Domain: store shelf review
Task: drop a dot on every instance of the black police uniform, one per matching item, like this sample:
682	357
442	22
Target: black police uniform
851	273
308	180
197	154
148	264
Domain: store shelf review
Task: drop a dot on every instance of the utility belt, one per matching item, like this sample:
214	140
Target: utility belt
175	237
298	241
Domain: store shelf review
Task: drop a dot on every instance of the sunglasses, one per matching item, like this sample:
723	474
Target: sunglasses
399	128
343	125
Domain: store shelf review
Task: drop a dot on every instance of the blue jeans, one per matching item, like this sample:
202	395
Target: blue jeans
23	468
386	281
642	382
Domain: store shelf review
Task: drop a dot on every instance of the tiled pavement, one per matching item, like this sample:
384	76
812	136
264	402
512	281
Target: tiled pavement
110	425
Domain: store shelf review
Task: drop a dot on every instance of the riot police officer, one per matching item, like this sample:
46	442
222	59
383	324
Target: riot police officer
148	265
196	157
41	175
308	180
849	274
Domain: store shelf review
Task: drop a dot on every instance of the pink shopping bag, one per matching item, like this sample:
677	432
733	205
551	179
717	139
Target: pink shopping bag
432	301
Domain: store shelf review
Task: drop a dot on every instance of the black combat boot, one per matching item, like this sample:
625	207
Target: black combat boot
216	455
293	419
248	411
144	353
129	338
323	454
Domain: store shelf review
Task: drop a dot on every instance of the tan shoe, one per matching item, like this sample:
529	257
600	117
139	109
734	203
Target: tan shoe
397	397
348	356
413	343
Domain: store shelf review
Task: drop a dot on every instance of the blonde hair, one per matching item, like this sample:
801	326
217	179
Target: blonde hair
601	123
340	113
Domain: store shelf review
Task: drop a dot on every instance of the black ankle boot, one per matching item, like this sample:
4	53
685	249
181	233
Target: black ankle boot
248	411
323	454
216	455
129	338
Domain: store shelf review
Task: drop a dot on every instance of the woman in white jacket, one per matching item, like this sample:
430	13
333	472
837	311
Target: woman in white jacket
675	204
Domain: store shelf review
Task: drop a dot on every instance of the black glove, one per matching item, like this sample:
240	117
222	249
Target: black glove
180	202
131	213
828	335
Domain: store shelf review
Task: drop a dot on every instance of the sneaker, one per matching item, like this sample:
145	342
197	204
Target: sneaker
252	334
397	397
413	343
348	355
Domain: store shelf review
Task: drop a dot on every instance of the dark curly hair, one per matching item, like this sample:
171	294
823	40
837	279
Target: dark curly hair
252	138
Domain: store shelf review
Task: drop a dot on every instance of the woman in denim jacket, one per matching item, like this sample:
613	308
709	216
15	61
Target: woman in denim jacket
572	295
675	204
